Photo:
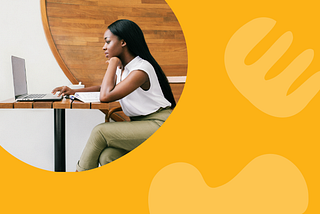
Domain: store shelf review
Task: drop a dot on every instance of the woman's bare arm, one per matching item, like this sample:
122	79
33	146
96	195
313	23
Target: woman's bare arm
65	90
110	91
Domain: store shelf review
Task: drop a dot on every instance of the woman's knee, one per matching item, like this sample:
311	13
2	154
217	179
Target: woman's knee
97	136
110	154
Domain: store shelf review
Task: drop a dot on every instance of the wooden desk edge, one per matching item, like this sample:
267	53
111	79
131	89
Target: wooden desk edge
100	106
47	104
7	103
63	104
80	105
23	105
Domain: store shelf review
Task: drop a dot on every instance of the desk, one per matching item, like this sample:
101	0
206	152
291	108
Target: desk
59	108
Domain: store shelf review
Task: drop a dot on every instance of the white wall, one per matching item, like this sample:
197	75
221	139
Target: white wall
21	34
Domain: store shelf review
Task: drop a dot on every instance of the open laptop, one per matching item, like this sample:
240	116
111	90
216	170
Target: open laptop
20	83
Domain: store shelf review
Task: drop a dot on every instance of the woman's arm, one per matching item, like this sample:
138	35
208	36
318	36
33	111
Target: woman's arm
65	90
110	91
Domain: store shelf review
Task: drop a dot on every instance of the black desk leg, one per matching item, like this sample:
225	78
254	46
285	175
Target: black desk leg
59	140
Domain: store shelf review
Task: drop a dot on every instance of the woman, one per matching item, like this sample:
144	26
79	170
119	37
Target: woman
135	78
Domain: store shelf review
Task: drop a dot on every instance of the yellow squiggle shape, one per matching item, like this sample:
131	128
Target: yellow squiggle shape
270	96
268	184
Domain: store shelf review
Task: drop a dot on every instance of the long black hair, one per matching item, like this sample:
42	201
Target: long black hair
131	33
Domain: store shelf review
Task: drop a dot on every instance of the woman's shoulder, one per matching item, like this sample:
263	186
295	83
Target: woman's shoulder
142	64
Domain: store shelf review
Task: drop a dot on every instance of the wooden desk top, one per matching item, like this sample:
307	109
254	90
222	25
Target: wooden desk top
63	104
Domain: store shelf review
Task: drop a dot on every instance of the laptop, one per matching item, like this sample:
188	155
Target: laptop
20	83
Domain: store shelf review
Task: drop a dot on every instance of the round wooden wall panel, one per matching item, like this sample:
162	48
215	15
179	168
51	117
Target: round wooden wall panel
75	28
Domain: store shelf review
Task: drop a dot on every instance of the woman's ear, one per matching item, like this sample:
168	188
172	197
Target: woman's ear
123	43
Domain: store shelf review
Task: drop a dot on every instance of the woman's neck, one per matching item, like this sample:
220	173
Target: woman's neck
126	58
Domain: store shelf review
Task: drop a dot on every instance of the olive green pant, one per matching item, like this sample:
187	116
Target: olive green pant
109	141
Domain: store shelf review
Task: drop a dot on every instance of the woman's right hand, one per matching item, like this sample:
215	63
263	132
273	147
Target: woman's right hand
63	90
116	61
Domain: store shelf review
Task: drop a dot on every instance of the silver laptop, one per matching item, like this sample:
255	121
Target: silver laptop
20	83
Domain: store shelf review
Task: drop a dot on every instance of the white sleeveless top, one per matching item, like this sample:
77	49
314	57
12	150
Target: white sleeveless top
141	102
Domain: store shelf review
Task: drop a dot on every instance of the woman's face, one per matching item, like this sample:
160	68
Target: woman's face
112	46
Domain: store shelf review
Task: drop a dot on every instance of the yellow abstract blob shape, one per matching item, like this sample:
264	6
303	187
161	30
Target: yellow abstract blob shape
268	184
270	96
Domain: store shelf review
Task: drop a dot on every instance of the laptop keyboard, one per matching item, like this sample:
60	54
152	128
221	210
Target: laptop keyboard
33	96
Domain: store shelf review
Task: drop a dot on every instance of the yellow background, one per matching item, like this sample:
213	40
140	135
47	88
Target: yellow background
213	128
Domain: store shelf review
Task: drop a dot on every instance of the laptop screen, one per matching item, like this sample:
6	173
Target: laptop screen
19	76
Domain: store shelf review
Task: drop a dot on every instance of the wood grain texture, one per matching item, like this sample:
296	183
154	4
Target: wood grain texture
63	104
75	28
80	105
45	104
23	105
101	106
52	44
7	103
